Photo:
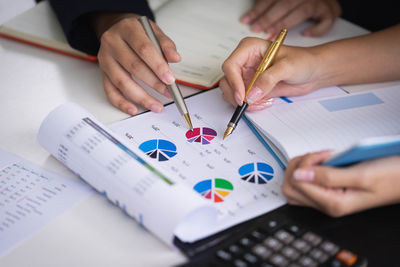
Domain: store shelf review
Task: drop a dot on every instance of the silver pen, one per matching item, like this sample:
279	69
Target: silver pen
173	88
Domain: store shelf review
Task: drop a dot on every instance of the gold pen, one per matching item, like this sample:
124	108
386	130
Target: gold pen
173	88
264	64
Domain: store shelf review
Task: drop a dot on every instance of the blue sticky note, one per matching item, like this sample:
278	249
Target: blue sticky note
350	102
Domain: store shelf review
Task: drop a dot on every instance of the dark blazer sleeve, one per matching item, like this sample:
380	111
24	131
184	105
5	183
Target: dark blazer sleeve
74	19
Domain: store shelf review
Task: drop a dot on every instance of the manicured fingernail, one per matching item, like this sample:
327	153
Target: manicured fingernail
132	111
238	99
271	30
304	175
254	95
167	94
264	105
246	19
169	78
256	28
156	108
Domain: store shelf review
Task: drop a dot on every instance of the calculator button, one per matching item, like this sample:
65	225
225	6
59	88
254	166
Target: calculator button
329	248
290	253
307	262
284	236
271	226
294	265
295	229
246	242
223	255
257	235
279	260
250	258
273	243
301	245
336	263
312	238
262	251
347	257
240	263
319	255
235	249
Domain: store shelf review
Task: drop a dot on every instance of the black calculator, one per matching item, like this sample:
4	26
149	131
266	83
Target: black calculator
278	242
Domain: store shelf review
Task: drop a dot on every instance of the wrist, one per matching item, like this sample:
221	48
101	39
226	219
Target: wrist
102	21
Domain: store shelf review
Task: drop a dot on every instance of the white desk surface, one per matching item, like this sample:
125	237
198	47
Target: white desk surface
94	232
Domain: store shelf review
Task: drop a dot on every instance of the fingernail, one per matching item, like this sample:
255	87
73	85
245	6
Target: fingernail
254	95
238	99
169	78
246	19
307	33
156	108
263	105
304	175
256	28
173	51
167	94
271	30
132	111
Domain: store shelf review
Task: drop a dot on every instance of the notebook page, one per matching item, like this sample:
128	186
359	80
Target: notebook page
238	176
89	149
332	123
31	197
205	33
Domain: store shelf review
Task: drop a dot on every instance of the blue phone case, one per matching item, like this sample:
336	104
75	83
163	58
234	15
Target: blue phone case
365	152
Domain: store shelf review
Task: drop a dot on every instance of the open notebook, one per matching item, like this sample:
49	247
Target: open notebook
205	33
176	182
335	123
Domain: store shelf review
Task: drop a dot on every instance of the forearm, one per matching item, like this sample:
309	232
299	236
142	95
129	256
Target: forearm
370	58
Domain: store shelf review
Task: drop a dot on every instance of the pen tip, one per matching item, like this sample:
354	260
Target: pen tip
228	131
188	120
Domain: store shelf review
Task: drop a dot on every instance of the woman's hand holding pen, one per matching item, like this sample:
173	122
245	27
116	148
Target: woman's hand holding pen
126	50
341	191
293	73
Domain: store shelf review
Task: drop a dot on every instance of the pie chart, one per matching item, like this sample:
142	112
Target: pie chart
257	173
215	190
159	149
201	135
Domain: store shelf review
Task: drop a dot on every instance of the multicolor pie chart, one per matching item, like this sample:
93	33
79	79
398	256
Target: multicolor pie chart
201	135
215	190
159	149
257	173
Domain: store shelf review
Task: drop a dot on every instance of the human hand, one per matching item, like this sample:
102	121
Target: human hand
126	50
341	191
295	71
272	15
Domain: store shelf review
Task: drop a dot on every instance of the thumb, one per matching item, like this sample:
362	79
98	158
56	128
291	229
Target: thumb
266	82
329	176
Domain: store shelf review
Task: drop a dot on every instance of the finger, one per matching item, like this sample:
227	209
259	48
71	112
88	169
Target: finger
116	98
331	177
258	8
315	158
267	80
167	45
247	50
324	17
139	42
127	86
264	103
293	18
227	92
126	57
275	13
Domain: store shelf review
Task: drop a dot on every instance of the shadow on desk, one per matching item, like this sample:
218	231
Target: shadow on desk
373	234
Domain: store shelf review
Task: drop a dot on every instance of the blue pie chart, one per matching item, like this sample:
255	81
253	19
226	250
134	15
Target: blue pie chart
256	172
159	149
